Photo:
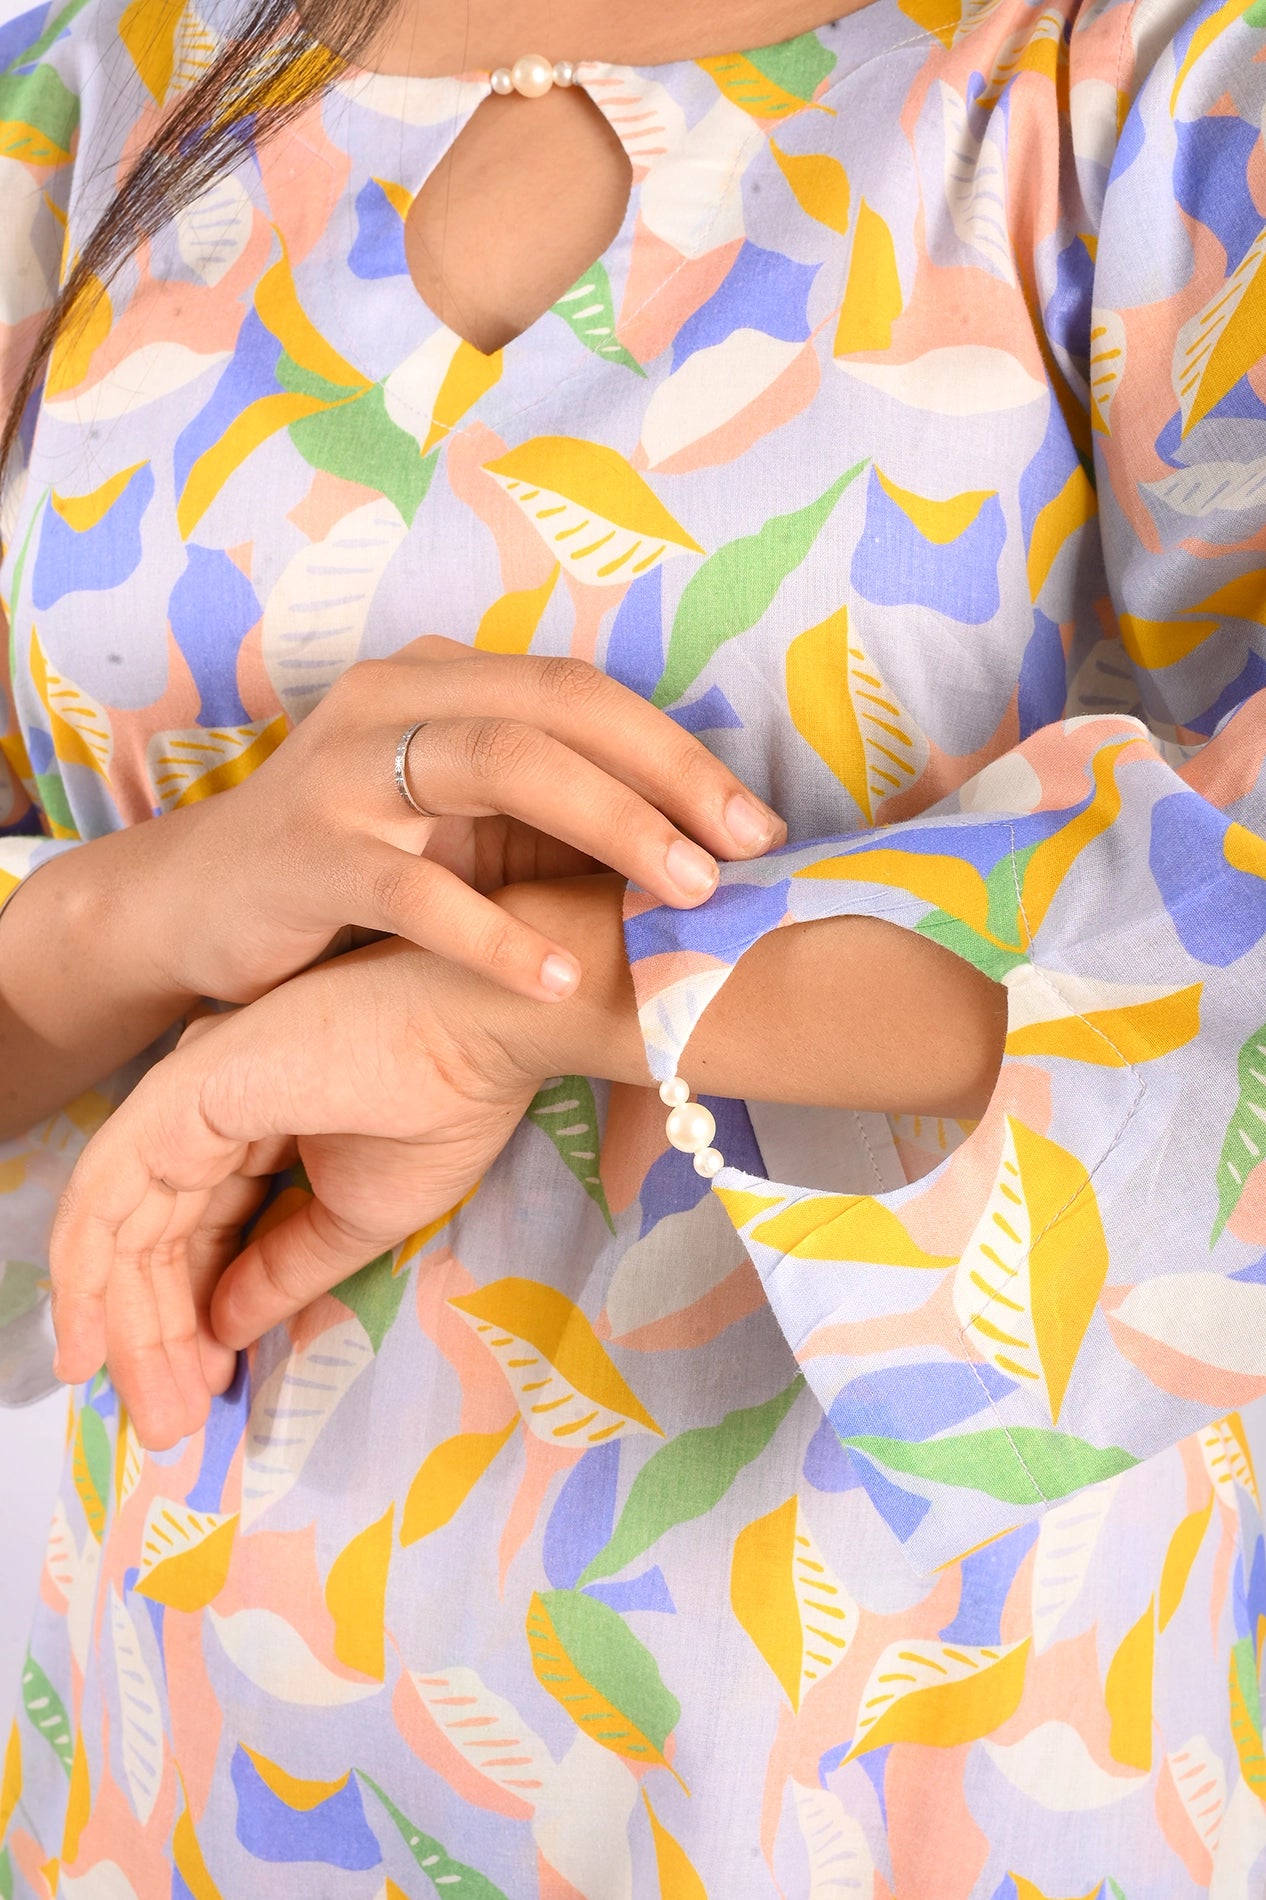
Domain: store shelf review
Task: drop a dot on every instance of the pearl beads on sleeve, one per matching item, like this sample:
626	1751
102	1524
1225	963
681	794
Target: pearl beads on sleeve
691	1126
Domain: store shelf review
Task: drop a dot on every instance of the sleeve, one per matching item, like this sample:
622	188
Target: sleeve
1083	1282
38	120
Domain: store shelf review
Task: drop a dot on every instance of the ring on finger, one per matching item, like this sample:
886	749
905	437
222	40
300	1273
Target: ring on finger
402	780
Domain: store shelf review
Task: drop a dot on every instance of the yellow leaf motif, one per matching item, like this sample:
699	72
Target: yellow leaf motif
1056	523
185	1555
188	1859
127	1459
356	1597
1114	1026
593	511
1107	366
1228	1459
745	86
11	1780
862	732
255	424
300	1795
85	327
78	725
819	184
588	1708
278	308
437	384
1223	341
1127	1691
1032	1272
148	30
797	1613
78	1803
845	1227
872	295
939	1694
510	624
1184	1547
445	1479
187	766
678	1879
567	1387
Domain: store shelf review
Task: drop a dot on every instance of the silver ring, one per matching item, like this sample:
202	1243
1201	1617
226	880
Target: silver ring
402	782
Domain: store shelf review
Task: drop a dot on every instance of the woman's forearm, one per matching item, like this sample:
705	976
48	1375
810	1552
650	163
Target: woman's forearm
82	985
845	1011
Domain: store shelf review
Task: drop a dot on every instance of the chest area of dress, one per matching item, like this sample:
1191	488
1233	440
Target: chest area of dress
705	470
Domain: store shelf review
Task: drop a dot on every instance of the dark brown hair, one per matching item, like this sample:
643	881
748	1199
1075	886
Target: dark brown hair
269	69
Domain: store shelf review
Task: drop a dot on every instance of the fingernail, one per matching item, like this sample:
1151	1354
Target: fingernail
559	975
748	823
690	868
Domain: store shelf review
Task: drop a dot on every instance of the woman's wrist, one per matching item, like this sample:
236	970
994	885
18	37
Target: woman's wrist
849	1012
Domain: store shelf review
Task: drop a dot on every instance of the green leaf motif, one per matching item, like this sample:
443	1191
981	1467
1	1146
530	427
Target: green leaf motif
359	442
1118	1893
1245	1140
609	1656
687	1476
38	116
1003	884
53	31
51	793
736	587
1000	1462
1244	1663
21	1289
565	1109
588	310
46	1712
97	1453
447	1876
799	66
6	1875
374	1295
306	382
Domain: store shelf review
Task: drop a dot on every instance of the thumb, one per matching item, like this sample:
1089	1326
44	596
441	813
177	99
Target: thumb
287	1268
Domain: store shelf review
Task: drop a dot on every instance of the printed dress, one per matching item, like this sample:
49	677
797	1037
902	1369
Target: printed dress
883	1522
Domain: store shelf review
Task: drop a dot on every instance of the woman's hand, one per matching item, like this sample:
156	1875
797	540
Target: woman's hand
533	767
396	1071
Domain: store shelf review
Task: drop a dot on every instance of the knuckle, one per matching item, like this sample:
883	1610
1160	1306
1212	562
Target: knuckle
573	686
387	889
499	946
496	749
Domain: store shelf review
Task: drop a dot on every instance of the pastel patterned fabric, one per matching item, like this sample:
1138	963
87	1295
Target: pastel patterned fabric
883	1523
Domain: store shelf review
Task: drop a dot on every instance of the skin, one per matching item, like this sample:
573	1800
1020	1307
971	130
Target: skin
402	1077
109	945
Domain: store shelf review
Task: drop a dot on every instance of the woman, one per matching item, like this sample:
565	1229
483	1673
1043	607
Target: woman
862	1510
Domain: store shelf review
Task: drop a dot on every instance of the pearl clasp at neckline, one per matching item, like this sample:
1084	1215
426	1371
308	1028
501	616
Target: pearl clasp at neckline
533	76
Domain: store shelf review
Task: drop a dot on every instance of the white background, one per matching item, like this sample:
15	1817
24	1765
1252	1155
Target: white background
30	1459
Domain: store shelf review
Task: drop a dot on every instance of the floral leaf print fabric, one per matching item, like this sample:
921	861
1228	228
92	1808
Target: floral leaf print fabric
1108	869
885	1519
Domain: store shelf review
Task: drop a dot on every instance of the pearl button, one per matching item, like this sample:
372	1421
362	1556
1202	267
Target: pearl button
674	1091
502	81
691	1128
708	1162
532	76
564	72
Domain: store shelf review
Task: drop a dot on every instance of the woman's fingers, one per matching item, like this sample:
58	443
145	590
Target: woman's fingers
602	720
485	766
152	1331
287	1268
413	898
